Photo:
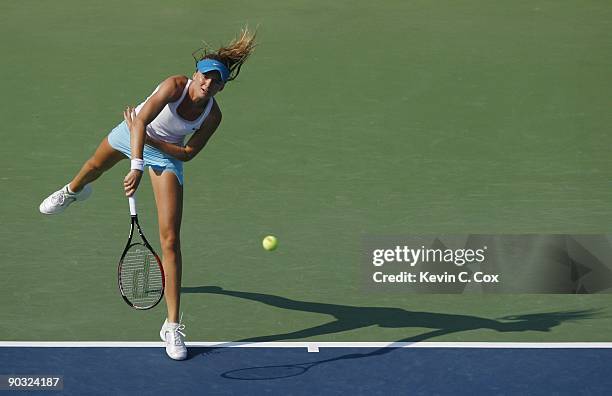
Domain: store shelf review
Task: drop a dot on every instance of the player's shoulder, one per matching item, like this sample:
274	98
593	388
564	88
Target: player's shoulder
173	86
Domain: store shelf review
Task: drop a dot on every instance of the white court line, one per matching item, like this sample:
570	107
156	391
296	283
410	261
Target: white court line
309	345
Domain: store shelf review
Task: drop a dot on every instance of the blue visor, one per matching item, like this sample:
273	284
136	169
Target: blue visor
206	65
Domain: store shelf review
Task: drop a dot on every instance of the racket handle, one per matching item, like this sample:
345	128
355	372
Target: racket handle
132	202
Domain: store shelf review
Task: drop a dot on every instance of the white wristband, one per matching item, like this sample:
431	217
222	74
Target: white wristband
137	164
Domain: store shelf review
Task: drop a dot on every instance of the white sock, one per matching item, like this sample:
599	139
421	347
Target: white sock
68	190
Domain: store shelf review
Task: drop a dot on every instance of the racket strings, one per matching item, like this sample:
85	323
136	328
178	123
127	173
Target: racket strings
141	277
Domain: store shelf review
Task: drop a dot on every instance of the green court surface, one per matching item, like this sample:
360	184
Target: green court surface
353	118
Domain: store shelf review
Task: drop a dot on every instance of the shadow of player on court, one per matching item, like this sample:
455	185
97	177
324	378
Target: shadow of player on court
346	317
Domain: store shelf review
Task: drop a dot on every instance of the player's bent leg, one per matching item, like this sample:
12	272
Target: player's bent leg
169	199
79	189
103	159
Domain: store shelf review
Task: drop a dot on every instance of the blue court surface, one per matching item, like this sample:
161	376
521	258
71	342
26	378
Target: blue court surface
337	370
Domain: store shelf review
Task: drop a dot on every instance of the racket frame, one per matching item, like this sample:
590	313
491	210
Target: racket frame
129	244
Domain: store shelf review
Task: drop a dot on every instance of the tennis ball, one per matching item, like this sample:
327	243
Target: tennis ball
269	243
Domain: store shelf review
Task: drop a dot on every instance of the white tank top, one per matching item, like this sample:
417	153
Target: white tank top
170	127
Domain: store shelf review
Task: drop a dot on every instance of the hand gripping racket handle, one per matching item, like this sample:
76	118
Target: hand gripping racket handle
132	202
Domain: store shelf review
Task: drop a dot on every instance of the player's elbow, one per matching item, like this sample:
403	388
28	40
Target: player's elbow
188	155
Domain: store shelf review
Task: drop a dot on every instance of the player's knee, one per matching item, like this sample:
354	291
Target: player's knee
171	242
95	166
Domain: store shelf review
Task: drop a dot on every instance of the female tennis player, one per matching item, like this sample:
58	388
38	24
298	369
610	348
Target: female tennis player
153	135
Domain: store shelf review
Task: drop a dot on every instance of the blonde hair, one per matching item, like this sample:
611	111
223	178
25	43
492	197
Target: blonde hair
232	55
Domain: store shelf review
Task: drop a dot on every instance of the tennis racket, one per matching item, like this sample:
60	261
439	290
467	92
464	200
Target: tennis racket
140	272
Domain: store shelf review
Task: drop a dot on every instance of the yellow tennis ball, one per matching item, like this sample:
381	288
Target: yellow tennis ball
269	243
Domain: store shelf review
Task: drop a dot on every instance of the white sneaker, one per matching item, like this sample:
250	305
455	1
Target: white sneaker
172	334
59	200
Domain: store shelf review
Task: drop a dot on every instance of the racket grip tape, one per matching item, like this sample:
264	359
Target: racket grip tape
132	202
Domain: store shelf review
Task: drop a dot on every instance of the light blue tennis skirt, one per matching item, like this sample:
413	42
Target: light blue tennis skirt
119	139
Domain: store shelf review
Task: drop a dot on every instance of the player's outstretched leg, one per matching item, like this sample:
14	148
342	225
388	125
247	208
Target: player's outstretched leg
79	189
169	199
